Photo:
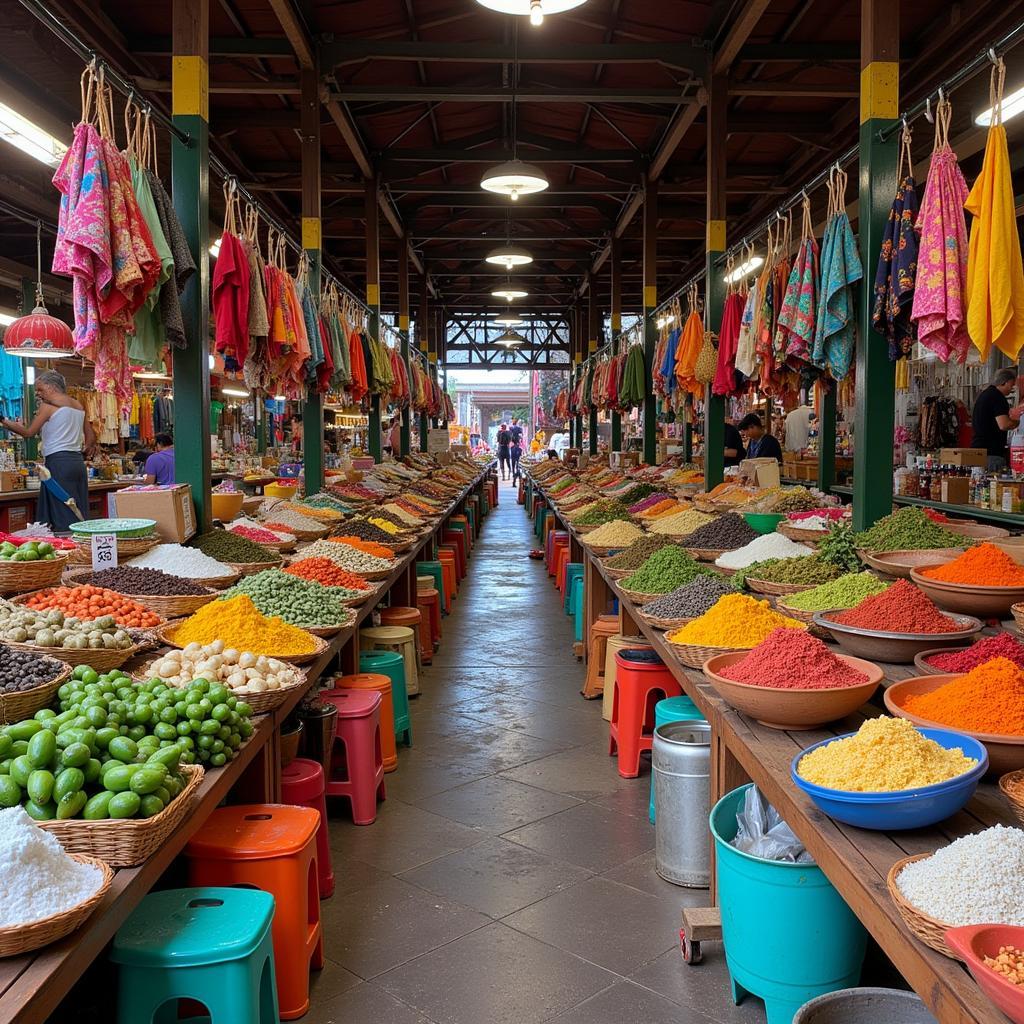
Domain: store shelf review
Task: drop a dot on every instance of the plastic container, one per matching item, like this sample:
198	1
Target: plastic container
671	709
763	522
681	773
820	944
973	943
906	808
865	1006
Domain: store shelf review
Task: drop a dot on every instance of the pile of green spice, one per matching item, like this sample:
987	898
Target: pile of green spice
603	512
635	494
298	601
229	547
846	592
665	570
638	552
806	570
324	501
791	499
908	529
840	549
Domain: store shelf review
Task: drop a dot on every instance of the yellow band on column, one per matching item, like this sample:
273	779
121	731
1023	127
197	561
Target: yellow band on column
403	323
424	346
716	236
880	90
650	296
616	322
592	345
311	238
373	294
190	87
432	357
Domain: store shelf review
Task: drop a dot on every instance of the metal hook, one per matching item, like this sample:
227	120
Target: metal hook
992	55
928	115
942	95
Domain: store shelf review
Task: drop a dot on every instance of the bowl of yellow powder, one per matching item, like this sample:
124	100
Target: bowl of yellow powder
891	775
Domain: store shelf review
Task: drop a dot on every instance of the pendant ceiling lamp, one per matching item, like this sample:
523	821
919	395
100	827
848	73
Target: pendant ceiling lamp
509	339
508	321
509	256
509	293
514	178
39	335
535	10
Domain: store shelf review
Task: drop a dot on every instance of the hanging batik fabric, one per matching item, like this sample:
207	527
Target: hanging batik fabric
897	262
836	327
746	356
995	274
794	335
940	293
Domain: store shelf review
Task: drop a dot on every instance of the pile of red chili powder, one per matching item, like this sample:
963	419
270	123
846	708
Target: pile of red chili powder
901	608
790	659
1002	645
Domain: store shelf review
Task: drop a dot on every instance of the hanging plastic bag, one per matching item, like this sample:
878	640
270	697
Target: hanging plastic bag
761	832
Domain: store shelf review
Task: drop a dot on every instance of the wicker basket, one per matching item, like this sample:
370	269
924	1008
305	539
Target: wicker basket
618	574
23	599
22	938
706	554
808	617
1018	616
126	842
801	535
167	606
166	631
930	931
251	568
637	597
25	703
18	577
270	700
298	534
127	547
703	505
777	589
101	660
582	530
694	655
329	631
1012	788
663	624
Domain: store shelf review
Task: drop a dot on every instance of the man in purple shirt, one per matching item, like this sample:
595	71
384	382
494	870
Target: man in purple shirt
160	465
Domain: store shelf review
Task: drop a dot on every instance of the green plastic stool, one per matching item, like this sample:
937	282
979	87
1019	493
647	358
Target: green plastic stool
577	608
435	570
538	520
471	517
672	709
208	944
392	665
574	570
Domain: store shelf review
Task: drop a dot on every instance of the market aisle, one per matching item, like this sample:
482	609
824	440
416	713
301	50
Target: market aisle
509	877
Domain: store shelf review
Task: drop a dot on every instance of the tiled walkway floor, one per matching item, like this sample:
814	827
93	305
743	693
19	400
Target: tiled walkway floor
509	876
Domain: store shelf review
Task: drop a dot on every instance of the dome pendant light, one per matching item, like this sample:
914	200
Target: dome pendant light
514	178
510	339
535	10
508	293
509	257
508	321
39	335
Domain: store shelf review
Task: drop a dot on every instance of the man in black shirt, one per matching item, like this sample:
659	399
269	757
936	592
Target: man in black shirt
992	417
516	430
734	453
760	445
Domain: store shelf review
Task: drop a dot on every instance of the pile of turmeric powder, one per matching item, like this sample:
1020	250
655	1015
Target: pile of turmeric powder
240	624
989	698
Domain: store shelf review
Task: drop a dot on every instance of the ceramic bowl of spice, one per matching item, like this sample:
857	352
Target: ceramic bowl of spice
956	660
792	680
984	580
994	954
986	703
901	563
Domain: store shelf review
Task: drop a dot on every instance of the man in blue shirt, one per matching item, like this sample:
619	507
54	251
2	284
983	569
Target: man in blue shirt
160	465
760	444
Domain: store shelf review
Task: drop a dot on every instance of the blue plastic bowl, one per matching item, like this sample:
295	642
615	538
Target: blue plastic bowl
907	808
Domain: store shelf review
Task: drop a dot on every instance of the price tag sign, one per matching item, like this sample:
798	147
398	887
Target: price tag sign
104	551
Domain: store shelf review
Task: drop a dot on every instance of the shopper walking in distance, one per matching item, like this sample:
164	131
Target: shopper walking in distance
516	430
515	454
504	440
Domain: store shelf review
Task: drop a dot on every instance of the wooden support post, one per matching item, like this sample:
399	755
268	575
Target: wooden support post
422	336
373	298
714	285
875	414
579	347
827	440
403	331
313	405
616	325
190	187
593	333
650	278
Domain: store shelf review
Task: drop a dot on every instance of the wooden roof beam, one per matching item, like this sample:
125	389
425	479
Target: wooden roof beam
487	94
737	35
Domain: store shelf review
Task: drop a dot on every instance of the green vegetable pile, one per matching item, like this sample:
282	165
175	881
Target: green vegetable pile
323	501
665	570
840	549
638	552
298	601
230	547
115	748
909	529
30	551
636	493
603	512
846	592
805	570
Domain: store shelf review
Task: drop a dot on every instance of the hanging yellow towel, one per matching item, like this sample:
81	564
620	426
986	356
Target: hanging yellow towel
995	275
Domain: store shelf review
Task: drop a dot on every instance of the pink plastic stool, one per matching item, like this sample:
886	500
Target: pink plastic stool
302	783
357	761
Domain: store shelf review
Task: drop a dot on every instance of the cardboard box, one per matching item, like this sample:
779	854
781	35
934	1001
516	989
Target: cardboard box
963	457
12	482
623	460
171	507
766	472
956	490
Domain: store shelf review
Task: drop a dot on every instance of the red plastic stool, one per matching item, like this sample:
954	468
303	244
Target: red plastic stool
302	783
399	615
461	522
375	681
449	573
270	847
429	603
561	569
457	538
357	765
425	641
557	540
641	680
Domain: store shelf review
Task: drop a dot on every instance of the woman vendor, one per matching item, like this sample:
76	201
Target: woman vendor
63	430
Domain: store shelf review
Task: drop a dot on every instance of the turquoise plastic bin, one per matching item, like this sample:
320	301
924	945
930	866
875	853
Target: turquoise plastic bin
672	709
576	605
789	936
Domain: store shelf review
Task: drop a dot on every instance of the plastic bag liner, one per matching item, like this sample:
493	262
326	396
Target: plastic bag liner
762	833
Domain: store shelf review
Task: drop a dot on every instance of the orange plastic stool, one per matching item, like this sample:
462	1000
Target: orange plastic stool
382	684
606	626
270	847
458	538
559	544
452	548
562	558
429	602
412	618
447	559
641	680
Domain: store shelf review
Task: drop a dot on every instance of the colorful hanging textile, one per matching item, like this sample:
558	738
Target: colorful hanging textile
995	273
689	348
633	382
836	328
794	335
772	288
897	261
940	292
229	294
728	340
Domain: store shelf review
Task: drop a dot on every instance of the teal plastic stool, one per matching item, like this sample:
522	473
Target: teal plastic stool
574	570
538	524
210	944
392	665
434	569
577	608
823	940
672	709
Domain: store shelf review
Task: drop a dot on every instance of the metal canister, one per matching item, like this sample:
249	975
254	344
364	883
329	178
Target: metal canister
681	760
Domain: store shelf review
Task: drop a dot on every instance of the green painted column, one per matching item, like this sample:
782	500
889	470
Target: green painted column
616	326
373	302
874	416
423	341
688	430
28	391
827	441
190	187
650	282
403	333
260	415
